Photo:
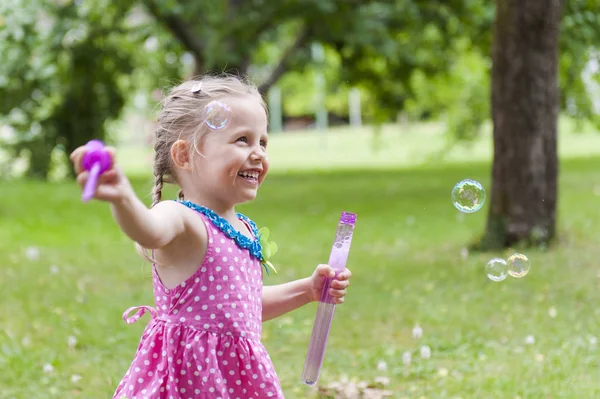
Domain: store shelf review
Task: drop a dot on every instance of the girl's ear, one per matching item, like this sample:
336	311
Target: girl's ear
180	154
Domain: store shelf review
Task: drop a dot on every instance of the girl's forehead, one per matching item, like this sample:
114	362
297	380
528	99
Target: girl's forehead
246	111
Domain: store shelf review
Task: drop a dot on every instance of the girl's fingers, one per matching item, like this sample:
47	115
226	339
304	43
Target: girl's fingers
345	275
340	284
337	293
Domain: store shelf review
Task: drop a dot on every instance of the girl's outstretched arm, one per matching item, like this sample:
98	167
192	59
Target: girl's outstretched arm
283	298
151	228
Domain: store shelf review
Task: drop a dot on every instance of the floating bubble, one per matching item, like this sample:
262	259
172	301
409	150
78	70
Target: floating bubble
468	196
496	269
217	115
518	265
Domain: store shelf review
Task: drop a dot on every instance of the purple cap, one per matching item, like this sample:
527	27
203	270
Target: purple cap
348	218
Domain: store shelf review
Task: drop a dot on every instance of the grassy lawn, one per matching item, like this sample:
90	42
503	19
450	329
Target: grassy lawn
61	333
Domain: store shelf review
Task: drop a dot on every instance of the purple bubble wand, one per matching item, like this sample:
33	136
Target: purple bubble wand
96	161
320	333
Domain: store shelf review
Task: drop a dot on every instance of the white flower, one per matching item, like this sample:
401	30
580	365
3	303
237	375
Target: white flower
32	253
417	332
552	312
425	352
75	378
539	357
530	340
71	341
382	366
443	372
48	368
406	358
53	269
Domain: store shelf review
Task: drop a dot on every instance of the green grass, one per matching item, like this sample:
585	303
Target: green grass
408	270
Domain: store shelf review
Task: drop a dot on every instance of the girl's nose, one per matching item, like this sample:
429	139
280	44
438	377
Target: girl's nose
259	154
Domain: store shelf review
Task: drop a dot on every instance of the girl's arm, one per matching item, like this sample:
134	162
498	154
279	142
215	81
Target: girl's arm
151	228
283	298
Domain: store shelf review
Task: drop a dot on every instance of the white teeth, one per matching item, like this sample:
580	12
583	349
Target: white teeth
252	174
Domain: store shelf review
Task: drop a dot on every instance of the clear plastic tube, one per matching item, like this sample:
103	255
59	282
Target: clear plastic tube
326	308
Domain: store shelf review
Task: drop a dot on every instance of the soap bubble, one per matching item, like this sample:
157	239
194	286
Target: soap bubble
468	196
518	265
217	115
496	269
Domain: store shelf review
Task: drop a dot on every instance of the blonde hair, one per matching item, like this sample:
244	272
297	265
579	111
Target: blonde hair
181	117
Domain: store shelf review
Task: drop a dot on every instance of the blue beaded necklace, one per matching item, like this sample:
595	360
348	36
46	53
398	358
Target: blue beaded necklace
252	245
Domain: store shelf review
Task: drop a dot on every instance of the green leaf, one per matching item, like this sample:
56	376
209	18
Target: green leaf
264	234
266	251
273	248
271	267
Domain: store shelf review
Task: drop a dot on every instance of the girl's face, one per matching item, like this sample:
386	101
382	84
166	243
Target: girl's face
234	162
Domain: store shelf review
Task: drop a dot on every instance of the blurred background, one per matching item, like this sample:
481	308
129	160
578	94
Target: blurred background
375	107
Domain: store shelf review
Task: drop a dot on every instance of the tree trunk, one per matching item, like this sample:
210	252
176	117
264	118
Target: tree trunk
525	105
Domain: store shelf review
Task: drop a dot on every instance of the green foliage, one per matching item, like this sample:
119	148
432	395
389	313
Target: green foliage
459	97
69	70
580	44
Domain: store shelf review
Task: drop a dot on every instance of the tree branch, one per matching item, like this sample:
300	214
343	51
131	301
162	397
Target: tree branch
283	64
179	28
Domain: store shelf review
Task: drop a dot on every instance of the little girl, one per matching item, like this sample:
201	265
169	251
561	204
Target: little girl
203	340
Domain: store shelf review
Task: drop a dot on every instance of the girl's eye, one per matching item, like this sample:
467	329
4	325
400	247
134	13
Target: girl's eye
263	143
244	139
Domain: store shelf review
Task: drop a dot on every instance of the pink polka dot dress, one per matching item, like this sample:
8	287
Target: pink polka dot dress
203	340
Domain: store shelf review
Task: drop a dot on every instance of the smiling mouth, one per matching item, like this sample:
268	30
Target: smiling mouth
250	176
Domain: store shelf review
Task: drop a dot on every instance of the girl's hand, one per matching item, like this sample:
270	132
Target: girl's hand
337	288
113	186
